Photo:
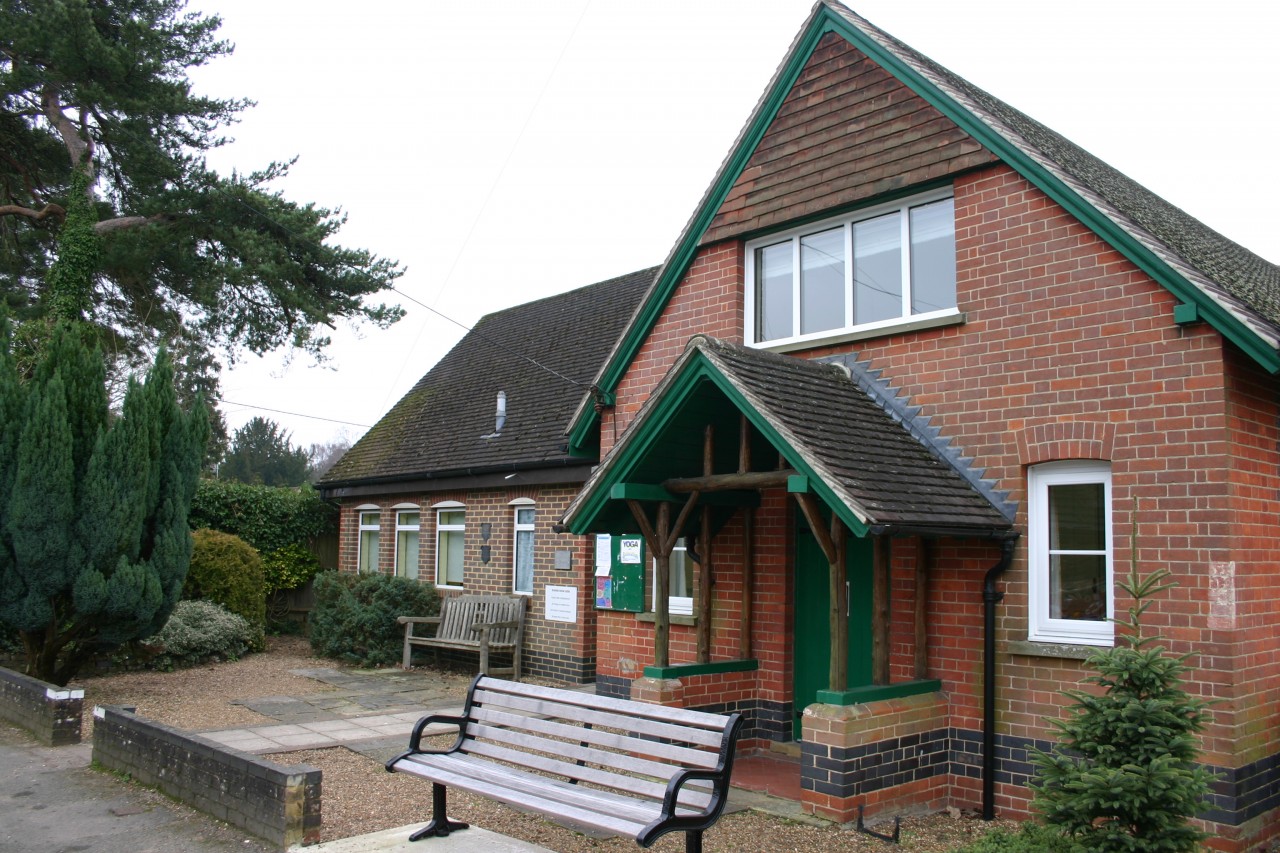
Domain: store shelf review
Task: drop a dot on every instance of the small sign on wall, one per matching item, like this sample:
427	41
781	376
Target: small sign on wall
562	604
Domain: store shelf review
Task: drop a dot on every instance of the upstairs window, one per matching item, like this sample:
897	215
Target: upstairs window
1070	553
875	269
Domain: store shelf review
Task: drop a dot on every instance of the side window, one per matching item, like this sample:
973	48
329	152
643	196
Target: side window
451	525
367	540
1071	579
407	524
680	583
522	569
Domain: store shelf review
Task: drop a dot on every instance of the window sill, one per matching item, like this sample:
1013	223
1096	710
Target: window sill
673	618
840	336
1062	651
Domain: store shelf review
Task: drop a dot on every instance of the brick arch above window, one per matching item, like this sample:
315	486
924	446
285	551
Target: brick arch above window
1058	440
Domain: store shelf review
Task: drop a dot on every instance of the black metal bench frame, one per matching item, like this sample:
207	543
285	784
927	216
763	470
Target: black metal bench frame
649	769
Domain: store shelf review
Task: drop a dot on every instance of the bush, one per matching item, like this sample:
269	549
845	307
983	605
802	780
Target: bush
355	615
1030	838
198	631
289	567
267	517
228	571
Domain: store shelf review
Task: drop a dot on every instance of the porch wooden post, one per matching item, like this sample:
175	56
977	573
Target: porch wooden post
704	587
923	558
748	553
839	615
661	596
880	611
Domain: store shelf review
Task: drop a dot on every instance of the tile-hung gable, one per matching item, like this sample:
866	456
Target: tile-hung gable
790	164
445	426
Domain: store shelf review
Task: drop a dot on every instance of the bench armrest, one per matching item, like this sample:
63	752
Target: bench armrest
415	739
669	821
407	620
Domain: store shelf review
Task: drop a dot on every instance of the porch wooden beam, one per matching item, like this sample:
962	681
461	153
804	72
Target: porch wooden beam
744	444
650	493
880	610
924	559
683	517
813	515
728	482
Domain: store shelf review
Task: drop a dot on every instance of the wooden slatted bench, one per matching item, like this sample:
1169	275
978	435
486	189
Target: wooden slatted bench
476	623
626	768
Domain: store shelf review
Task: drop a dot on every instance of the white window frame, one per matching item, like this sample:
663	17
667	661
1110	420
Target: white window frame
402	509
677	605
517	506
361	529
1040	627
905	320
441	508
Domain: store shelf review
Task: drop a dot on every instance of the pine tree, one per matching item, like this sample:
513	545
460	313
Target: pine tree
1124	776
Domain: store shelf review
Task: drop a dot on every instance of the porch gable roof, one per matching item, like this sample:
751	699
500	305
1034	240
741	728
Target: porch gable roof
878	472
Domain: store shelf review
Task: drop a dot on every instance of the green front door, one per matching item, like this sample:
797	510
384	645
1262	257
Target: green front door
812	645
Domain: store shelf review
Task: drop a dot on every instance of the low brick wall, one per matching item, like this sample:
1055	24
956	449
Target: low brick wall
280	804
50	713
886	756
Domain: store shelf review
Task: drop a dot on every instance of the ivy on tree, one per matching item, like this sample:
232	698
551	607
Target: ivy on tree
96	106
1124	775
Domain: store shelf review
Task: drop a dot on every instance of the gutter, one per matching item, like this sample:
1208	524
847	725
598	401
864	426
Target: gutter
326	487
990	597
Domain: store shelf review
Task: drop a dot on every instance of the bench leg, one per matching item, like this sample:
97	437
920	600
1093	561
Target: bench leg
693	842
440	824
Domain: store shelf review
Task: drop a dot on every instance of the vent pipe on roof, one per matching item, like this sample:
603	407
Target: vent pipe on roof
500	417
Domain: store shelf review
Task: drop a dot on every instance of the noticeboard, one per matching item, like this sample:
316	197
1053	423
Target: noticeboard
620	574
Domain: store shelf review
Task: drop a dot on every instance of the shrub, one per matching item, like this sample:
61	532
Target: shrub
1030	838
289	567
228	571
355	615
198	631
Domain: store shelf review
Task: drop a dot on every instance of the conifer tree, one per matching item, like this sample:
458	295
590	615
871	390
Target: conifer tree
1124	776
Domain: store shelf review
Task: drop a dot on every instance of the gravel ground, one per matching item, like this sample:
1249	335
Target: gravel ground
360	796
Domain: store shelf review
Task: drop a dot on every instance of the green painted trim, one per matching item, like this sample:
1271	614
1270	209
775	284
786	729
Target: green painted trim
681	670
1185	312
639	492
825	20
878	692
797	484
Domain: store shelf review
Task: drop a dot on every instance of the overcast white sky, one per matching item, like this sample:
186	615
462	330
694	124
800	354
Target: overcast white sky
507	150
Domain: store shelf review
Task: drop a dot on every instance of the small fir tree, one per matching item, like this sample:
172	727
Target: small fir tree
1124	775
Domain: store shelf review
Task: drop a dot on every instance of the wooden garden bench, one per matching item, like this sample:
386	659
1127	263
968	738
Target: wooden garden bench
648	769
477	623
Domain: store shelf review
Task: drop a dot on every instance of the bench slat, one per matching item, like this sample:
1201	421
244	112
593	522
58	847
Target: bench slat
667	753
456	644
694	794
662	753
607	719
661	713
535	802
578	738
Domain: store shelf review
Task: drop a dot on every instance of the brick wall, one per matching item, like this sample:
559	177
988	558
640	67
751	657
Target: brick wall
278	803
51	713
1067	351
554	649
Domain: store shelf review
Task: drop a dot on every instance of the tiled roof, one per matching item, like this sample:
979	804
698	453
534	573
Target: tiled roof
1241	281
891	472
438	428
870	455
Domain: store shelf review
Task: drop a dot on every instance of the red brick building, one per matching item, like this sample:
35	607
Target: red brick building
915	362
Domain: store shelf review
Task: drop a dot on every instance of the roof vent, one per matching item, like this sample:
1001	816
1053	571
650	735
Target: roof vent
500	416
